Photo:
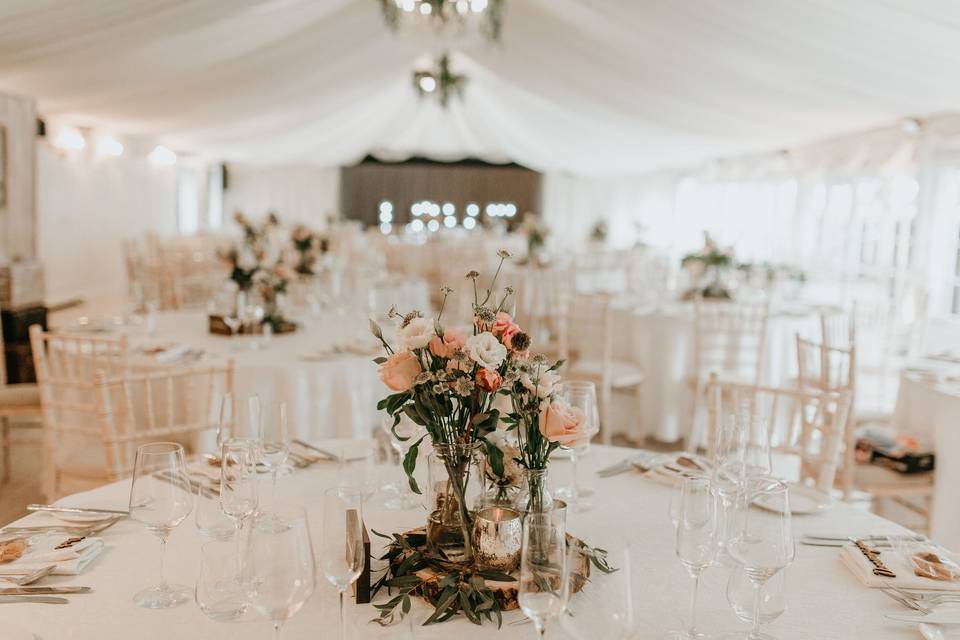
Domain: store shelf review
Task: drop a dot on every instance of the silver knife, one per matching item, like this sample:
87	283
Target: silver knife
26	591
81	510
323	452
621	467
32	599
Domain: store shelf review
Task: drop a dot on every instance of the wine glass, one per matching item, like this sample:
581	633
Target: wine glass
212	523
360	471
408	429
583	395
544	584
238	483
226	420
280	568
160	499
773	596
219	588
342	556
696	539
275	443
765	546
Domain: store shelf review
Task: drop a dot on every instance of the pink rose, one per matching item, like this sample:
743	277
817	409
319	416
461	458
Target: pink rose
488	380
451	342
559	422
504	328
400	370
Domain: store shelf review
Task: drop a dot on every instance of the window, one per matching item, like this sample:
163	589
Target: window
188	197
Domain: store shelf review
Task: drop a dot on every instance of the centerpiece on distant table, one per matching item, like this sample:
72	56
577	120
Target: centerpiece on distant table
308	246
711	271
447	382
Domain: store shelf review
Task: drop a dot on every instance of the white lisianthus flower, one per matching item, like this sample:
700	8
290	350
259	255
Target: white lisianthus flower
545	385
417	333
485	350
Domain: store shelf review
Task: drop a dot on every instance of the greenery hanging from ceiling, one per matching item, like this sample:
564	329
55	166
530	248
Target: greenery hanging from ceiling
489	13
440	81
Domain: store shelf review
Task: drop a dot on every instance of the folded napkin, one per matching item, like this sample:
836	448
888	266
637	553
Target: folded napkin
70	561
858	564
173	353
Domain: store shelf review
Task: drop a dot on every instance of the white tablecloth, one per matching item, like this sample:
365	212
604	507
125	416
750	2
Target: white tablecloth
928	405
661	342
327	394
825	601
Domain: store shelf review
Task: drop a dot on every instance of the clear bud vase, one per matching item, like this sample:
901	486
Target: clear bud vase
451	479
535	496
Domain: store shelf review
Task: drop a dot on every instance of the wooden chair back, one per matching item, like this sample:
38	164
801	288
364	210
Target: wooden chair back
730	337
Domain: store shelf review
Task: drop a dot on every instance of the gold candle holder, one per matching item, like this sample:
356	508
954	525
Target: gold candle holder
497	533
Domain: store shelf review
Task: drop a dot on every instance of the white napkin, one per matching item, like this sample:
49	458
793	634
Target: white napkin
858	564
70	561
172	353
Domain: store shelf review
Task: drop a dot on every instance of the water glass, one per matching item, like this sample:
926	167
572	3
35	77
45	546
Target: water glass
766	545
583	395
279	571
219	592
160	499
544	584
211	521
773	596
342	555
696	538
238	483
274	436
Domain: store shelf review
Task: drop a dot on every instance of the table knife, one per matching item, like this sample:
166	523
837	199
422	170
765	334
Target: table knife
323	452
33	599
26	591
81	510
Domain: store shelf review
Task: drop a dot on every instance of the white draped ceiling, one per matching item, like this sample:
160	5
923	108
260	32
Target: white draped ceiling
605	86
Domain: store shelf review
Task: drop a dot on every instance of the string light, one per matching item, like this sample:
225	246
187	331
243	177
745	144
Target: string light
109	146
69	139
162	156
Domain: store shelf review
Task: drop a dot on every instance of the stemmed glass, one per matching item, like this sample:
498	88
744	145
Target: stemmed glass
275	444
544	567
226	421
238	483
773	598
160	499
342	553
696	538
280	568
406	499
583	395
765	546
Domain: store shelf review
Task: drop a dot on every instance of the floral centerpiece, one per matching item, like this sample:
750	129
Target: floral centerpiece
308	246
536	234
599	232
709	269
254	251
272	285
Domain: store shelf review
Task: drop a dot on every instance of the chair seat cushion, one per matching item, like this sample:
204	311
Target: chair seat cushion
19	396
622	373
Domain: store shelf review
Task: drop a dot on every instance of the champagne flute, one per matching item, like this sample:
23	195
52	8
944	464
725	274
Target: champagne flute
342	553
280	572
766	545
696	539
226	422
238	483
218	592
583	395
160	499
275	444
544	586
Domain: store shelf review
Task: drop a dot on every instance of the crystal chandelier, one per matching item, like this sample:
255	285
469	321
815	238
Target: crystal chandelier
487	15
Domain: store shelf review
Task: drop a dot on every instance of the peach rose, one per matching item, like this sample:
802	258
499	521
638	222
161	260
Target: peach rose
400	370
446	347
488	380
559	422
504	327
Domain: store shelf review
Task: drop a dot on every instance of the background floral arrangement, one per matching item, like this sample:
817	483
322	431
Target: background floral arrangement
308	245
254	252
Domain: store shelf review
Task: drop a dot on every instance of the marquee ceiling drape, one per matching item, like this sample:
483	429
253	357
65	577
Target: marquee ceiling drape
605	86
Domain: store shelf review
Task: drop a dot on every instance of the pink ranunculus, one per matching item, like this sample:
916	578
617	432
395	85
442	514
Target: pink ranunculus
400	370
562	423
451	342
504	327
488	380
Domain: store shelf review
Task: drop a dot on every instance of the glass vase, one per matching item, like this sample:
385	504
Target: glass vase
535	496
452	487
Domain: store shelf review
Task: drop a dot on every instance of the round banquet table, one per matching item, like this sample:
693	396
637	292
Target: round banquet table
660	341
825	601
323	371
928	406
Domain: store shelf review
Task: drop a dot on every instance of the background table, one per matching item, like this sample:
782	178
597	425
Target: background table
825	601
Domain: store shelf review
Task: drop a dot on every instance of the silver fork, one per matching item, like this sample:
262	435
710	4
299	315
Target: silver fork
907	602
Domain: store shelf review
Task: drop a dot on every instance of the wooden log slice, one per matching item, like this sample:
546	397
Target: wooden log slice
504	592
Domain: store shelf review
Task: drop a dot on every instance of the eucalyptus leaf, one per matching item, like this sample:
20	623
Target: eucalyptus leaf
410	464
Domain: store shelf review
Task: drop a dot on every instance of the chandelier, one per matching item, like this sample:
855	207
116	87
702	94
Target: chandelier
439	81
487	15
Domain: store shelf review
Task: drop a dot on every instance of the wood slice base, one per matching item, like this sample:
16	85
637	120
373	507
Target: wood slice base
504	592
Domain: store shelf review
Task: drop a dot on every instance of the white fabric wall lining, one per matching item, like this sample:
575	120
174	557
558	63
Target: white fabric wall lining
296	194
85	208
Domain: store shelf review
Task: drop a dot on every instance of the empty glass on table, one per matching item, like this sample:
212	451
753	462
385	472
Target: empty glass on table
342	554
219	592
280	567
582	395
544	585
275	437
696	540
773	596
160	499
238	482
